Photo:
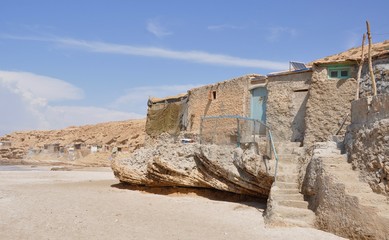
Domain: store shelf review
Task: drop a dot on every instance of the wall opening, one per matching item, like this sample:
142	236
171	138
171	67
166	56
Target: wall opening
214	95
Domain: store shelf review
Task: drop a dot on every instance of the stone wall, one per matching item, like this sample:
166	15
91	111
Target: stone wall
367	141
230	97
381	72
329	101
285	112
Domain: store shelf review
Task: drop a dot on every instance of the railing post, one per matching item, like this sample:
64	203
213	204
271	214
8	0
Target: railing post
201	128
275	155
238	128
254	125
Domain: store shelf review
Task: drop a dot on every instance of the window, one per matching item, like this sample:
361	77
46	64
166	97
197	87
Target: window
338	72
214	95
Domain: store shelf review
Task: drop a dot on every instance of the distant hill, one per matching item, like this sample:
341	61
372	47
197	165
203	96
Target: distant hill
72	145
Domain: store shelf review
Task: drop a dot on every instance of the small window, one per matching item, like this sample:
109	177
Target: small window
344	73
334	74
213	95
338	72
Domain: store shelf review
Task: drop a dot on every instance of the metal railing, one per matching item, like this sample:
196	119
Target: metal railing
235	129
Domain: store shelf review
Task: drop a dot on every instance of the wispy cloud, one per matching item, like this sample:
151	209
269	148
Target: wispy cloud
223	27
276	33
155	27
26	101
191	56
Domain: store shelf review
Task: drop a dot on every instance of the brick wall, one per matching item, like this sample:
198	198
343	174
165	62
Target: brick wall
230	97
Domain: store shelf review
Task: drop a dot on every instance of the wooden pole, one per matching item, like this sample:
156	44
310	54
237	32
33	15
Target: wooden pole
373	84
360	66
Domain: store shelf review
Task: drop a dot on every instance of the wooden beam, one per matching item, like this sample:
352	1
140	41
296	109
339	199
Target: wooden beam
373	83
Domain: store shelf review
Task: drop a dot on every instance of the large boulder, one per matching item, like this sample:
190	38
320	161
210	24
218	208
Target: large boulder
194	165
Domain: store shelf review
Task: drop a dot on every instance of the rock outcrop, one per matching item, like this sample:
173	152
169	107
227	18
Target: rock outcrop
193	165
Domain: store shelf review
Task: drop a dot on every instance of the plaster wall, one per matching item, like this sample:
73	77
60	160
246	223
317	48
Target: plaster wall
287	97
329	101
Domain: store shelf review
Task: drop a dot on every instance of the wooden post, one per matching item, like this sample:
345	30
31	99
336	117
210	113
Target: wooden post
373	84
360	66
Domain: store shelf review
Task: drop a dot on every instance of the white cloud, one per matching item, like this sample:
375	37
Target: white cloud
275	33
191	56
26	103
154	27
136	98
222	27
39	87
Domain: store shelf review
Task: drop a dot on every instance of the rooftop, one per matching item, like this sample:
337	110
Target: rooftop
354	54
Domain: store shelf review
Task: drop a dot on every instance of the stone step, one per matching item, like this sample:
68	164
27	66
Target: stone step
287	169
334	158
305	223
279	191
299	151
289	196
340	165
327	151
288	158
300	215
325	145
287	185
287	143
294	203
292	178
372	198
288	150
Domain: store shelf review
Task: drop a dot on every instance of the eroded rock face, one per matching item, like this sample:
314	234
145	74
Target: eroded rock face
369	150
194	165
367	141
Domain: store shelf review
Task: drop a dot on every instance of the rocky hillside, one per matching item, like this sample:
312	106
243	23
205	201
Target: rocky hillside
34	146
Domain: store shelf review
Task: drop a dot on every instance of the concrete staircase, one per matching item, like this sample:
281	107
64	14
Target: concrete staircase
346	206
336	164
286	205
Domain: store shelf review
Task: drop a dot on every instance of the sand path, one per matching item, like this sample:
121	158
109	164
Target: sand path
87	205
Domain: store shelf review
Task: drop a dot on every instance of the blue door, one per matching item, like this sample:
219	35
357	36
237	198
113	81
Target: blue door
258	103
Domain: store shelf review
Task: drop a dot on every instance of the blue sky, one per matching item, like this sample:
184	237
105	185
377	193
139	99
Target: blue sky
78	62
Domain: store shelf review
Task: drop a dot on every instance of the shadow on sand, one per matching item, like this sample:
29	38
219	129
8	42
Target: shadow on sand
212	194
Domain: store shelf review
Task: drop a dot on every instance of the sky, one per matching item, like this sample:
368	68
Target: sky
69	63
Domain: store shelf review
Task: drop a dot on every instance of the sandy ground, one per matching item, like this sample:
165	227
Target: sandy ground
42	204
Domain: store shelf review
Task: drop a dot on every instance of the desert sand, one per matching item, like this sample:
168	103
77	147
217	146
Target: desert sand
36	203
